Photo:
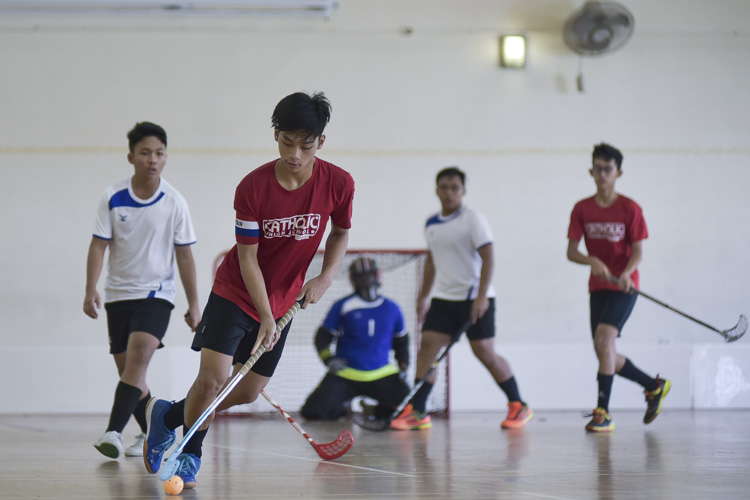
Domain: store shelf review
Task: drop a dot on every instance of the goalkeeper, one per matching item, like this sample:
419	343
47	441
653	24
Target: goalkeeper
365	326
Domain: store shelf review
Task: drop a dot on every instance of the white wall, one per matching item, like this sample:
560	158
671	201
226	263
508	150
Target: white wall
404	106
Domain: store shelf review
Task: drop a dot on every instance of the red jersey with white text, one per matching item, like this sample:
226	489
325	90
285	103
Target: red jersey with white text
287	226
609	234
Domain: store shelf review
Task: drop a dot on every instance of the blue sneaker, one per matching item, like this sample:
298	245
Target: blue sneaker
188	469
158	437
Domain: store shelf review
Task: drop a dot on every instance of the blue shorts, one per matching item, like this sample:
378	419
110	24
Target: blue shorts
448	316
227	329
140	315
611	307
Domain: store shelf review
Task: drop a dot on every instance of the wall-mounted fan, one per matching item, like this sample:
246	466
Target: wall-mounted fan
597	28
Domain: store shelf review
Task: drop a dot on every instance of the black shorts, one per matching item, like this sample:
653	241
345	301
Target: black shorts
447	316
611	307
227	329
141	315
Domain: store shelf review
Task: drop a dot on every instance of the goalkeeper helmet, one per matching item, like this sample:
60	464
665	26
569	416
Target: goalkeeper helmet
365	277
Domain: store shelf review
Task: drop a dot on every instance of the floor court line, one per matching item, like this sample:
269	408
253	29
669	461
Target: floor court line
328	462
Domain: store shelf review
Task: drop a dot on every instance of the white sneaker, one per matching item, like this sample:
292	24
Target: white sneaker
136	450
110	444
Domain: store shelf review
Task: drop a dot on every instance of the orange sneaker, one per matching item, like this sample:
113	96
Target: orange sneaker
408	419
518	415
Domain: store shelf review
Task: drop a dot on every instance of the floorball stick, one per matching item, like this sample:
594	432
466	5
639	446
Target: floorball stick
171	465
383	424
326	451
730	334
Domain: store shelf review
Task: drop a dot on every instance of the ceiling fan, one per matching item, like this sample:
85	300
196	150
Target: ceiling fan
597	28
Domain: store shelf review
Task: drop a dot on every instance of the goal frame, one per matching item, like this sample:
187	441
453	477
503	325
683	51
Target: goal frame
413	327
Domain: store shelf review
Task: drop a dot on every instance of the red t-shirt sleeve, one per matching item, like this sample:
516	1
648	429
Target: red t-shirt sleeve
341	216
575	229
246	228
637	224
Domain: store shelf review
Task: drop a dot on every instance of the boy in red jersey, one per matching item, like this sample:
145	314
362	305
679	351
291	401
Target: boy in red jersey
613	228
282	209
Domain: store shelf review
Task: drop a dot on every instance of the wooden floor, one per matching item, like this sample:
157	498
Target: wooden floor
682	455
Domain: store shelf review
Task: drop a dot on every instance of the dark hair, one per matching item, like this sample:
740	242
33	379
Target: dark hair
607	152
451	172
302	112
143	130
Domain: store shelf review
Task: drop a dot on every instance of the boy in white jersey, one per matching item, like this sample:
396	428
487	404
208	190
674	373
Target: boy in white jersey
146	224
458	274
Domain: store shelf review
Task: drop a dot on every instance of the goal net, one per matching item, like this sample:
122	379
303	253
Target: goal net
300	370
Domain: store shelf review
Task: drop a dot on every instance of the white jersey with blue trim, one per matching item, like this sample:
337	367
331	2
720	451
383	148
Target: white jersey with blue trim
365	330
453	242
142	235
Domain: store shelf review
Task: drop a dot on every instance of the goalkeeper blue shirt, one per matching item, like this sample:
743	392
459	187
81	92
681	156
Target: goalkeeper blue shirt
364	334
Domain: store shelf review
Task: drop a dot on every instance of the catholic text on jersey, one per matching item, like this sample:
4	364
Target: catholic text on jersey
299	227
610	231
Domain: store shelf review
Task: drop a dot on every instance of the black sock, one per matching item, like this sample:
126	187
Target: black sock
605	389
631	372
140	412
510	388
175	416
419	401
126	399
195	444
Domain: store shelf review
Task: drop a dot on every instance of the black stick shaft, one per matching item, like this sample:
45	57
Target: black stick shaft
614	279
649	297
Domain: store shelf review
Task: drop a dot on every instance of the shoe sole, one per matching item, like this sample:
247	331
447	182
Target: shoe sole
517	425
149	408
423	427
108	450
664	393
134	453
601	429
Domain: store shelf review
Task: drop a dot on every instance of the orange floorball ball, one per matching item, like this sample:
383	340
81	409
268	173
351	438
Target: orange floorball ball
173	485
